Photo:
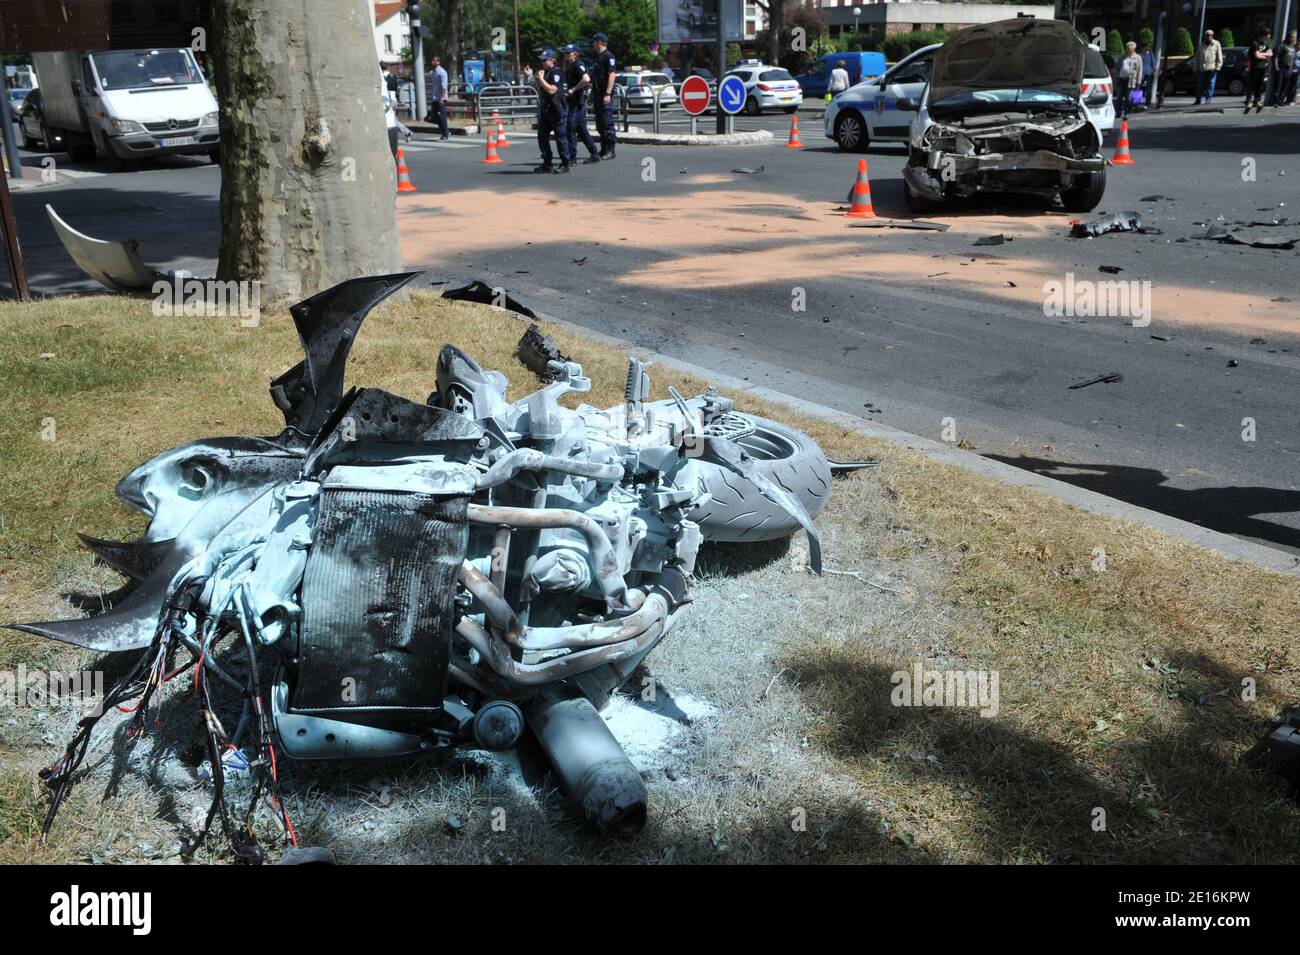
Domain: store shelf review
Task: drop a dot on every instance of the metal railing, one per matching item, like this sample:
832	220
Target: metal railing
515	103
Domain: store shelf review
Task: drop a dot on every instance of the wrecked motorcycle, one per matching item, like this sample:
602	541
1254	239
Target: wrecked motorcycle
389	578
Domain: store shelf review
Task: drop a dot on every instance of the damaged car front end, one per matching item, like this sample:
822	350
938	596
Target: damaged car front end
1003	114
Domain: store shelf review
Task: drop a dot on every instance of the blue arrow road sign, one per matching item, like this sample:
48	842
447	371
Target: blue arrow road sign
731	95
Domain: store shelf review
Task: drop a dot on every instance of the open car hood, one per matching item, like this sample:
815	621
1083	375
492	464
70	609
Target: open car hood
1023	53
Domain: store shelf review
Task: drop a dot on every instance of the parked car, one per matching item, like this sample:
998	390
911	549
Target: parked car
1098	90
869	112
1014	123
859	64
31	121
1182	78
767	87
642	88
16	97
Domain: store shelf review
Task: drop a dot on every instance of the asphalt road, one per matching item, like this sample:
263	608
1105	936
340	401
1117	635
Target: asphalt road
1168	436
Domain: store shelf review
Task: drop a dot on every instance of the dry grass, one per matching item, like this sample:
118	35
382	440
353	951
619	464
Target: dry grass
1120	688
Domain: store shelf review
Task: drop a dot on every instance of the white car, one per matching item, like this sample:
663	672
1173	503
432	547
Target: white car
1011	123
642	88
767	87
1098	91
868	112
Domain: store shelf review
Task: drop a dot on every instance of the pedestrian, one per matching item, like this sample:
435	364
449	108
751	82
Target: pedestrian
437	93
1284	63
838	82
1130	78
1258	61
1208	61
668	72
577	84
528	74
602	83
1148	75
551	116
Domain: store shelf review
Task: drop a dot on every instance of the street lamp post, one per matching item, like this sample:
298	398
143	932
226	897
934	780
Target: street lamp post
857	12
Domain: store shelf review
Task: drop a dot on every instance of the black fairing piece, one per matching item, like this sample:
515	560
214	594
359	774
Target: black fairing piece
327	324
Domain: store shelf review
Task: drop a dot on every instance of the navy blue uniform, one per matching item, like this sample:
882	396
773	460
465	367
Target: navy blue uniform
604	67
577	105
552	117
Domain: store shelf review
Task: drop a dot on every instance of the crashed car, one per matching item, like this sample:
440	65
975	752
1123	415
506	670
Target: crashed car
1002	113
390	578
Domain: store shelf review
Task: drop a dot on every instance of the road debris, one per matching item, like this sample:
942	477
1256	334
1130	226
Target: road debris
540	354
748	170
1115	222
1108	379
923	225
1110	269
484	294
998	239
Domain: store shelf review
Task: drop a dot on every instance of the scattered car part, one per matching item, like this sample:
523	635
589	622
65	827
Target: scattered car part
923	225
537	351
484	294
1108	379
115	265
1115	222
429	575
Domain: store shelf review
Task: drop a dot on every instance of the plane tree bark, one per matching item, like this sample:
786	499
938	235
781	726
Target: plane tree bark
307	179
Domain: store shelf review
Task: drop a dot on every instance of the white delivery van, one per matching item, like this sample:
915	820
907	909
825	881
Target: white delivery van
128	104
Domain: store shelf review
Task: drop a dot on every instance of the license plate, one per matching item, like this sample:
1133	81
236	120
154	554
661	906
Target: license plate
178	141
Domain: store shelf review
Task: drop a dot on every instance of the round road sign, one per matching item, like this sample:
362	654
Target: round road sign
695	95
731	95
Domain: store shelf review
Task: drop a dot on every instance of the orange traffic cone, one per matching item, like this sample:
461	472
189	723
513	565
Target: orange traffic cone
1122	157
404	183
492	156
861	206
501	131
794	134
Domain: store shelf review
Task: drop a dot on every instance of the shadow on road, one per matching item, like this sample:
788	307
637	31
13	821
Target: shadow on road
1229	510
1274	139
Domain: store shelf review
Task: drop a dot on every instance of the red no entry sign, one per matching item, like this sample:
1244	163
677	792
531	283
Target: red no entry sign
695	95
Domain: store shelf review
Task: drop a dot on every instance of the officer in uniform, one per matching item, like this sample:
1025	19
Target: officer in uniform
602	82
551	116
577	83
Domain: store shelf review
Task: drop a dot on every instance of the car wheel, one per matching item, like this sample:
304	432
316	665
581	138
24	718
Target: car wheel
214	156
790	109
1236	87
751	106
47	141
918	204
1169	88
1085	192
851	131
28	142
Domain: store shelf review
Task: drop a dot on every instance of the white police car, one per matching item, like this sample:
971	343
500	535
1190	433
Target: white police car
767	87
869	112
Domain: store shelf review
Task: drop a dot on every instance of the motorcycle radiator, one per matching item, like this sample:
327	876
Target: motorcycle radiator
377	599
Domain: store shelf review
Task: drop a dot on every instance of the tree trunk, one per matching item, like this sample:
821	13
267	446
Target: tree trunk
451	38
775	16
307	178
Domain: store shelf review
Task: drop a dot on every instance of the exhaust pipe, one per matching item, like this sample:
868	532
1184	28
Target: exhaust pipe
602	782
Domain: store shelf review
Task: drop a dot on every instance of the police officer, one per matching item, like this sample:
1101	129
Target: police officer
577	84
602	82
551	116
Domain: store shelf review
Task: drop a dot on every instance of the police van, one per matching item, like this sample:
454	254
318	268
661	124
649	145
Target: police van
869	112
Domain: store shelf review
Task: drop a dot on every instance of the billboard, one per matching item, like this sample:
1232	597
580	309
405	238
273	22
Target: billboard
696	21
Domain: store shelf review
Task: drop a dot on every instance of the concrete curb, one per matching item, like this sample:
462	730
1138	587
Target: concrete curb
1222	544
